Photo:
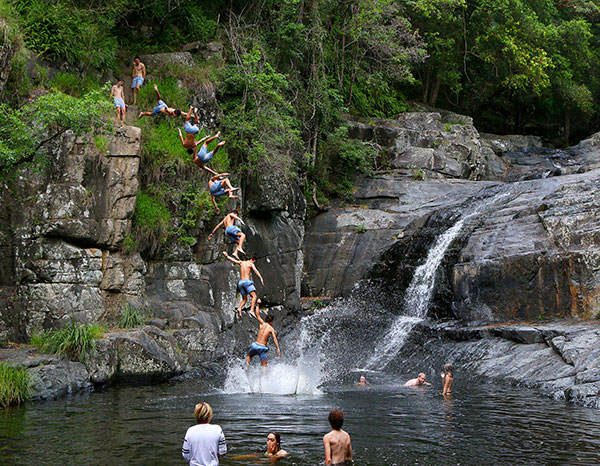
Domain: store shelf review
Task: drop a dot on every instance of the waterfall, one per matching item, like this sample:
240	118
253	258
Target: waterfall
419	292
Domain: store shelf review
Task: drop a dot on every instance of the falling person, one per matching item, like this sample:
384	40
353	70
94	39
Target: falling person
232	232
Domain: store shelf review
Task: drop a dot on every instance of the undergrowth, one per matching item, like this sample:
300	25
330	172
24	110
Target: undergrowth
131	317
14	385
76	341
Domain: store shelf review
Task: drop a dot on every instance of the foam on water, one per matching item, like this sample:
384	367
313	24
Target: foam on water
280	379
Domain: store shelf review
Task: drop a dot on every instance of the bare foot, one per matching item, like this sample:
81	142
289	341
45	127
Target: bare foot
232	197
235	254
221	143
218	134
240	250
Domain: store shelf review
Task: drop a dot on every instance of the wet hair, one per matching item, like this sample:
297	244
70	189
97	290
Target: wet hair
336	419
203	413
277	440
269	318
177	112
448	368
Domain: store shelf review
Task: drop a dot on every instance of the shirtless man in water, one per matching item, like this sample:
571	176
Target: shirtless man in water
138	74
259	347
418	382
119	97
338	447
246	285
232	232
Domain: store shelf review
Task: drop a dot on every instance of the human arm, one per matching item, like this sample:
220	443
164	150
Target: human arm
112	91
327	446
144	71
204	167
180	136
276	343
157	93
222	445
215	204
232	259
238	218
185	449
349	453
258	273
215	229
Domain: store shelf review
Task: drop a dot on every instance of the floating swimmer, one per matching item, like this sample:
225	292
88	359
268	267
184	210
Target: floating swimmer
219	185
162	108
259	347
246	285
232	232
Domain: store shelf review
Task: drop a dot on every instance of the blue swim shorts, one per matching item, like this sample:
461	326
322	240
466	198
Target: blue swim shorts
246	287
204	156
137	81
156	110
119	103
216	189
189	128
261	350
231	232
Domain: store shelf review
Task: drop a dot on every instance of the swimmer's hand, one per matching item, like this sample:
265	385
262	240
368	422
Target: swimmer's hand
278	353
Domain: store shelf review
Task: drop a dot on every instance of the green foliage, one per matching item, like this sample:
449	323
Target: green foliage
150	223
418	174
71	83
101	143
131	317
375	96
25	130
361	229
171	93
14	385
75	341
58	29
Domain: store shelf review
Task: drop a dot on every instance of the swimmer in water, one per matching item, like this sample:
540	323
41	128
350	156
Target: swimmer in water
274	446
447	378
338	447
418	382
362	381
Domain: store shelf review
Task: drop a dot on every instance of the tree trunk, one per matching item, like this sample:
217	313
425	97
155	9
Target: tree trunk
567	125
435	91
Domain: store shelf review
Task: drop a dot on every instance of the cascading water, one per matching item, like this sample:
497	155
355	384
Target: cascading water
334	341
419	292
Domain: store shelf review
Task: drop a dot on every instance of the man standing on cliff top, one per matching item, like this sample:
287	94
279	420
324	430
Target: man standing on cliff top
117	92
246	285
138	74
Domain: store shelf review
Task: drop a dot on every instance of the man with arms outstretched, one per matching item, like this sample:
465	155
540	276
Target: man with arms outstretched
162	108
246	285
259	347
232	232
338	447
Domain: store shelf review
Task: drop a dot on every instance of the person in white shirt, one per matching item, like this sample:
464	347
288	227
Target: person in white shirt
204	443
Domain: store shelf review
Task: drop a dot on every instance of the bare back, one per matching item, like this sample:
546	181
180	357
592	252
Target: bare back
264	332
246	269
338	447
189	141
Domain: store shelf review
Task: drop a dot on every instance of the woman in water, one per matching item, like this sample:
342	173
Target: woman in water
274	446
447	378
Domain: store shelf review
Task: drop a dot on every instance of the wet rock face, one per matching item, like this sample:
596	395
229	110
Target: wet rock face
158	60
562	360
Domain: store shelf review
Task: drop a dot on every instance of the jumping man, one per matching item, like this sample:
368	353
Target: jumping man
246	285
215	186
161	108
117	92
259	347
232	232
191	144
138	74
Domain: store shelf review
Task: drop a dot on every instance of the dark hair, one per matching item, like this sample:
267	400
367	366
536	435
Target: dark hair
177	112
137	56
119	79
277	440
336	419
269	319
190	151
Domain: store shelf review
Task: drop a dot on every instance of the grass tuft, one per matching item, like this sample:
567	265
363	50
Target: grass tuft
75	341
15	385
131	317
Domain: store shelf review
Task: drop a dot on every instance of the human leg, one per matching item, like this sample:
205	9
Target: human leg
240	243
254	297
242	304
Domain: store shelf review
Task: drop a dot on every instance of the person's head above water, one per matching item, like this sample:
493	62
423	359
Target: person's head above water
421	378
336	419
273	442
448	368
203	413
363	380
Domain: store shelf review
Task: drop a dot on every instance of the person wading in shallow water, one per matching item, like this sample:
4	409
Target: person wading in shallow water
447	379
338	447
259	347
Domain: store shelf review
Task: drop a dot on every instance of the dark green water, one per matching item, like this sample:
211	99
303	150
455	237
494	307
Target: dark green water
389	425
